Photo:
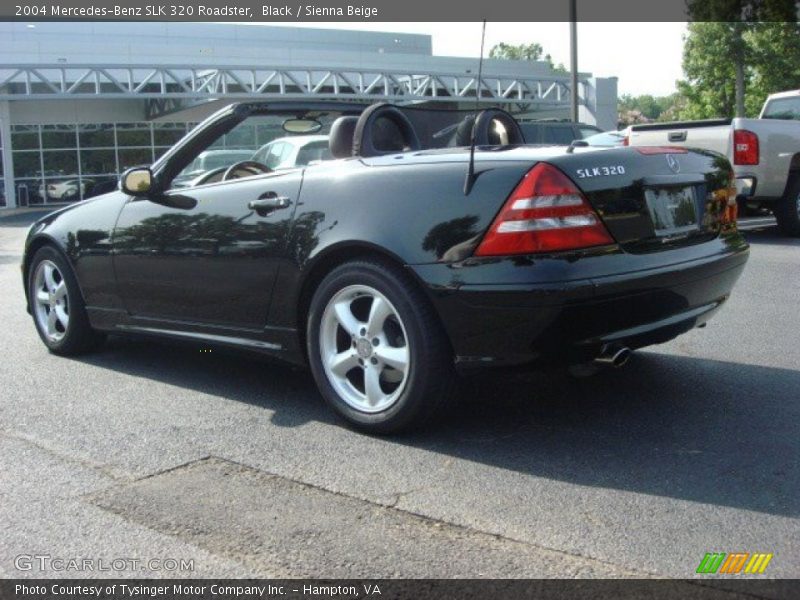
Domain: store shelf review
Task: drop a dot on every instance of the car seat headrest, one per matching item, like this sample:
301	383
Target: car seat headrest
493	127
340	140
384	129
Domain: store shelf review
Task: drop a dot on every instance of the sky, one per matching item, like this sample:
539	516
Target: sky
645	56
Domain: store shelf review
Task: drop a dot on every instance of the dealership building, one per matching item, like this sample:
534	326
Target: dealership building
80	102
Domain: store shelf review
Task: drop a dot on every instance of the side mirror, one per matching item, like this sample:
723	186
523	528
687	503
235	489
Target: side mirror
137	181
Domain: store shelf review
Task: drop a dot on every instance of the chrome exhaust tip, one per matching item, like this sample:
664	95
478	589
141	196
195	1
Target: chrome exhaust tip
613	356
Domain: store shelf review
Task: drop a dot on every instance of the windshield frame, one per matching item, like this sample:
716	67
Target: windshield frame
171	163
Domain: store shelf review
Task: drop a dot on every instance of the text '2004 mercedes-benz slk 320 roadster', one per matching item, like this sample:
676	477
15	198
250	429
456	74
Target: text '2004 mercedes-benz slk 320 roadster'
417	243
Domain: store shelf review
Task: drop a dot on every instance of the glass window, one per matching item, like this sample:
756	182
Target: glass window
99	185
224	158
558	134
98	161
29	191
48	158
133	157
266	132
586	131
25	137
159	152
27	164
275	154
59	136
99	135
783	108
243	136
60	162
261	154
531	132
134	134
168	134
61	189
313	152
260	138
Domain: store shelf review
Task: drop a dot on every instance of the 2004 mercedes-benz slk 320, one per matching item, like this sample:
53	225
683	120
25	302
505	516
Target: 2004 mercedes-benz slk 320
403	258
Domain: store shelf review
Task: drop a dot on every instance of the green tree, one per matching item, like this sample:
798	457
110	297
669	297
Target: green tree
646	104
775	54
733	50
710	79
644	108
532	52
505	51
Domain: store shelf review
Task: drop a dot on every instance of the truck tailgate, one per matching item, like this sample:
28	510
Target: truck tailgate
706	135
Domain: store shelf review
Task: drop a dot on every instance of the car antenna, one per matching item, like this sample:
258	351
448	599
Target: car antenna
470	180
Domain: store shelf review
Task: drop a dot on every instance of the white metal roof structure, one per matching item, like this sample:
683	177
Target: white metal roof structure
79	74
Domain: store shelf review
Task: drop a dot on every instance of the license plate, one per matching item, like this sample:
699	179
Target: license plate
672	210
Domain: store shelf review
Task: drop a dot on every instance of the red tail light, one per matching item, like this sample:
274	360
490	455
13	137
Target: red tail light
626	141
745	147
546	212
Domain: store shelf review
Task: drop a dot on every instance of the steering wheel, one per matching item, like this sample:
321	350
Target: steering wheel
255	168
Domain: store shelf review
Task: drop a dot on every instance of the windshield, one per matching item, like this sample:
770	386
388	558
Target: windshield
259	137
783	108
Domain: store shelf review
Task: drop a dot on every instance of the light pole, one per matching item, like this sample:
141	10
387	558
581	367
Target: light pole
573	59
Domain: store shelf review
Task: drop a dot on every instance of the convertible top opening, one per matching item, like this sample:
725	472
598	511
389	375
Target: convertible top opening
249	139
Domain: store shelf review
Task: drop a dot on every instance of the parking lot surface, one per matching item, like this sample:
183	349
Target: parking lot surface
150	450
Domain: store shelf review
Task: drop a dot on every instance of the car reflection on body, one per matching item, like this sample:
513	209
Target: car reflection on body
607	139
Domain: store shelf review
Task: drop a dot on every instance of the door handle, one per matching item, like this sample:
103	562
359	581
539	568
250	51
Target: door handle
676	136
269	202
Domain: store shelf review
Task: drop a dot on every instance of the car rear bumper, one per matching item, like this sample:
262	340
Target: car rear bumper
566	320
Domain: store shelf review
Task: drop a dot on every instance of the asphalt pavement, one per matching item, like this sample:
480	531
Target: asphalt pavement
147	450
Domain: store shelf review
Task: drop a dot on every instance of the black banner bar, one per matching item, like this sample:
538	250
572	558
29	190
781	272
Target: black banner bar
415	589
406	10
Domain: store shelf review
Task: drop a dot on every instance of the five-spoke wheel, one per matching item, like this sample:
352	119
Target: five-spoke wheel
364	348
57	305
376	349
51	303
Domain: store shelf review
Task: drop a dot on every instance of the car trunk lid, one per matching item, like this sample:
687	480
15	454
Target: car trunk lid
654	198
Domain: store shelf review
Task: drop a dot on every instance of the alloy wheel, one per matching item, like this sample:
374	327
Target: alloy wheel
51	301
364	348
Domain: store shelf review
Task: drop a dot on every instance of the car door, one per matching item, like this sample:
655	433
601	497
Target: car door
212	264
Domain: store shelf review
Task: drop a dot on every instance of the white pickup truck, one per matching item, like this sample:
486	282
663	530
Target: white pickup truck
765	153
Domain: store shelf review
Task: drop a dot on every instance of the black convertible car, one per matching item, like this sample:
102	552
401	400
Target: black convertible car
412	254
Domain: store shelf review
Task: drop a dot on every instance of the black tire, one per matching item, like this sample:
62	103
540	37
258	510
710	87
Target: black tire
787	210
429	383
78	337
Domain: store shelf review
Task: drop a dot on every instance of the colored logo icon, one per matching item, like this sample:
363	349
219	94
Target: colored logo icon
733	563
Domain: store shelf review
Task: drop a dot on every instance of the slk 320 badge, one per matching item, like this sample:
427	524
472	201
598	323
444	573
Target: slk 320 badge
600	171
